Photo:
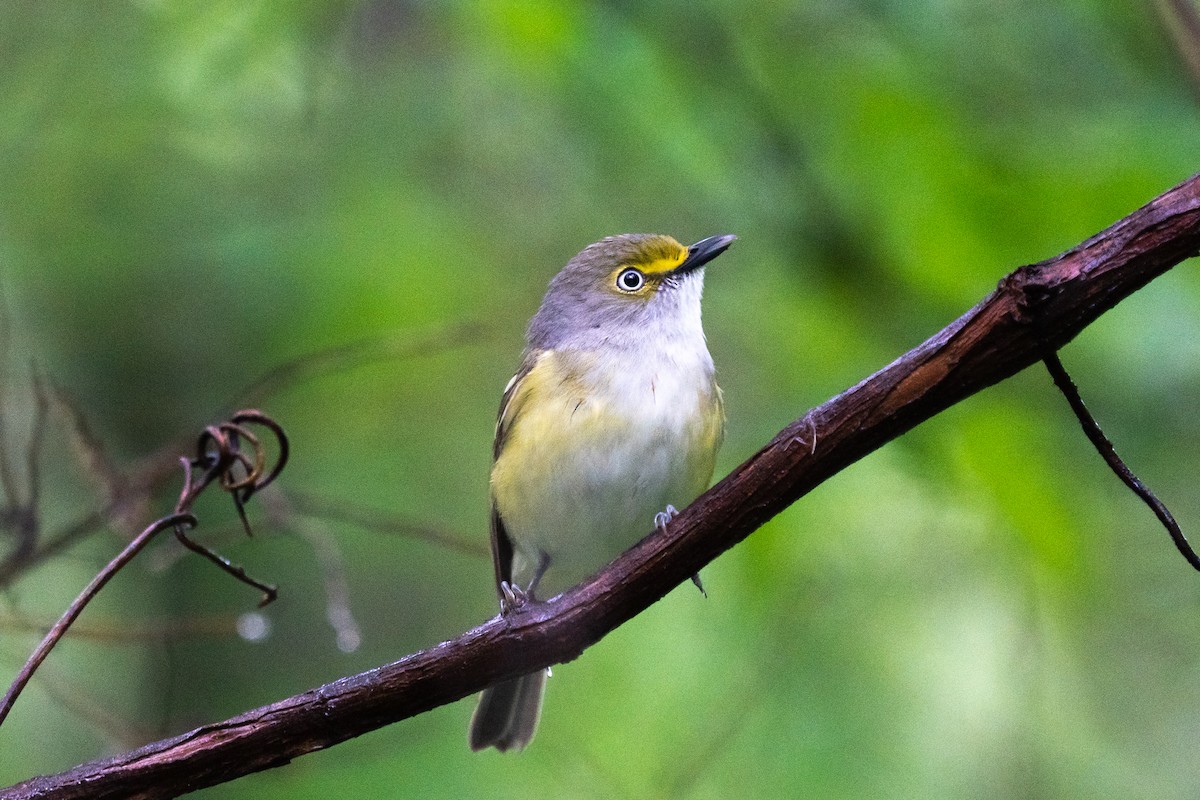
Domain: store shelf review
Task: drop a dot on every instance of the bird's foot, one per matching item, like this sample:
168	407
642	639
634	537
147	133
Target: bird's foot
512	597
663	518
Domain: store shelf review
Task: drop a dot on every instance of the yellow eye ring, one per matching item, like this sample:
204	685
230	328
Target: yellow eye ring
630	280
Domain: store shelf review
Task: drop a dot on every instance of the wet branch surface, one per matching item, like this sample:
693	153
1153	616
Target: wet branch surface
1033	312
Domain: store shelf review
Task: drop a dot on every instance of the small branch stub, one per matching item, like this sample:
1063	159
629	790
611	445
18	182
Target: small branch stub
1105	448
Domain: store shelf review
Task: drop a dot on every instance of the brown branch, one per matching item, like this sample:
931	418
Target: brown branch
1034	311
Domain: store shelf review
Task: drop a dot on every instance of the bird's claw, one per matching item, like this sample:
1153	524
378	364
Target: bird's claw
664	517
512	597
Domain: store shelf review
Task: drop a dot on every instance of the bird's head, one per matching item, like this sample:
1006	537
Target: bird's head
624	287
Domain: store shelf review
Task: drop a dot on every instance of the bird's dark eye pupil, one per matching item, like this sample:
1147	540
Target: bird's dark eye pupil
630	280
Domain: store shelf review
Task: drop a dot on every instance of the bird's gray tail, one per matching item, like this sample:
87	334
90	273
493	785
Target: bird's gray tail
507	715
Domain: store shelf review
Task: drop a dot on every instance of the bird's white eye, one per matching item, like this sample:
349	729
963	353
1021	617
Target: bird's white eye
630	280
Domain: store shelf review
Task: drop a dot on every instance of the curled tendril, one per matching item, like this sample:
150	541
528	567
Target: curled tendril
221	450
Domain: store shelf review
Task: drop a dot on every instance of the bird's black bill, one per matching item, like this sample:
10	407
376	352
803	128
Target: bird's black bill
705	251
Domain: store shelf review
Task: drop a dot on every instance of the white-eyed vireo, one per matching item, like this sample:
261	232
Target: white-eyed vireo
613	418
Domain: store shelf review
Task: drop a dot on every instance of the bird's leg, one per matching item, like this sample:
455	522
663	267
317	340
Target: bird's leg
512	597
661	520
542	565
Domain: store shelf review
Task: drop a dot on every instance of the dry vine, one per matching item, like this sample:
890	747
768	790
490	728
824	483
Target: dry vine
219	455
127	492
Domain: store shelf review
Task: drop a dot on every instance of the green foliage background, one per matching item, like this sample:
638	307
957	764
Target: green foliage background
193	194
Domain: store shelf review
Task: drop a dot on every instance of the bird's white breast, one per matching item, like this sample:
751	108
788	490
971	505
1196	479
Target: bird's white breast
602	441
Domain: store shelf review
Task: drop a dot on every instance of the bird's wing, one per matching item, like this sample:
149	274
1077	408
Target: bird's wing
510	408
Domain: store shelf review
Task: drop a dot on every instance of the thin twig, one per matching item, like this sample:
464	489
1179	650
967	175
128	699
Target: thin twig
332	510
217	626
261	480
125	496
28	514
11	568
356	354
217	451
79	703
89	448
1105	448
37	436
22	511
338	612
1182	21
85	597
126	493
8	484
269	591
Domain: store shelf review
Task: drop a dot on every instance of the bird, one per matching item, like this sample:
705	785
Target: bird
613	419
